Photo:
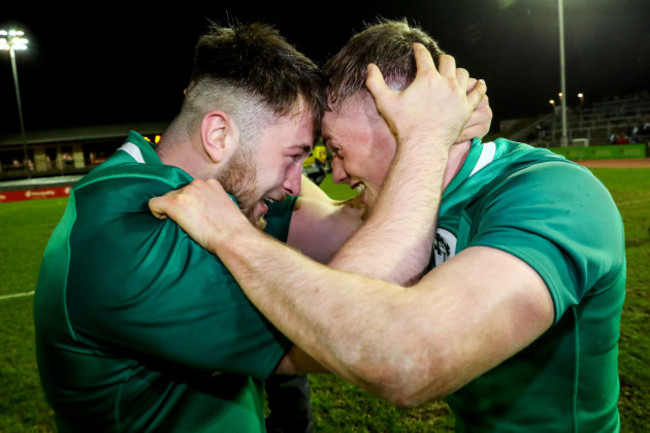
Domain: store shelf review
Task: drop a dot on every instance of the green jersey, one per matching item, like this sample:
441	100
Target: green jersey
557	217
138	328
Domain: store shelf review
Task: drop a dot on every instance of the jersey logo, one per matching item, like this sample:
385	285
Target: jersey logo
444	247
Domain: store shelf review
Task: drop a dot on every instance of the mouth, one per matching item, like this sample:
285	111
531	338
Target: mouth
268	201
258	214
359	187
263	205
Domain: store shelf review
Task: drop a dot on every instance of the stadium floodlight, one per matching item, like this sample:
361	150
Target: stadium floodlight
13	41
560	6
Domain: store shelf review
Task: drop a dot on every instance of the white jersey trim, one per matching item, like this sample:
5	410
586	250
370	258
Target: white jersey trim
487	156
132	150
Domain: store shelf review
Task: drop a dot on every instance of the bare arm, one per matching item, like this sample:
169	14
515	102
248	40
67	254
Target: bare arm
411	175
319	228
408	345
310	190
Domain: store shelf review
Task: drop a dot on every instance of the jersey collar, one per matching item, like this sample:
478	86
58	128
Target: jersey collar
479	156
139	149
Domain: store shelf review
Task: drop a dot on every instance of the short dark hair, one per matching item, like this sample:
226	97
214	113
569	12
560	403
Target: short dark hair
386	43
256	58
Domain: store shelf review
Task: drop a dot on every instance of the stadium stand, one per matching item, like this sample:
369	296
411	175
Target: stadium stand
74	152
64	152
615	121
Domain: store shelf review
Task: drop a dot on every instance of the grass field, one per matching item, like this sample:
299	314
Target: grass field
338	407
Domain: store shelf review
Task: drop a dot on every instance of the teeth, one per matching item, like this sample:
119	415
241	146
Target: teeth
361	188
268	201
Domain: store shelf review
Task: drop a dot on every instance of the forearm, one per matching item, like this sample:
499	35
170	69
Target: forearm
298	295
395	242
407	345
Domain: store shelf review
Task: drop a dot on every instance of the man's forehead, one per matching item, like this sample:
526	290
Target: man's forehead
343	115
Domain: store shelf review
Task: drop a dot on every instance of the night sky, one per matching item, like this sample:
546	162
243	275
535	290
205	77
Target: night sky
104	66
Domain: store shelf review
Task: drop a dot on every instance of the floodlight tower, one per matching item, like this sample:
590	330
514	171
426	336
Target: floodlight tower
13	41
564	141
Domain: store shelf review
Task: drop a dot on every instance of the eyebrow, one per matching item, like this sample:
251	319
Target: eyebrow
302	146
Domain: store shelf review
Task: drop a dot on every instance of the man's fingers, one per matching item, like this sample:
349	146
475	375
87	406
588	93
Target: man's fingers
483	103
477	93
162	207
375	82
471	83
157	207
447	65
462	76
423	60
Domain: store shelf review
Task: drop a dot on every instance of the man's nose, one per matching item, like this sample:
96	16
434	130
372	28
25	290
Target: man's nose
293	181
338	174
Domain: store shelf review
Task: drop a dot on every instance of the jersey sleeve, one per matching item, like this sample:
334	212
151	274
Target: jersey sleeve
142	285
562	221
278	218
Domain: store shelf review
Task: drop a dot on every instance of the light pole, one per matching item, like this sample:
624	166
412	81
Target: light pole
11	41
565	140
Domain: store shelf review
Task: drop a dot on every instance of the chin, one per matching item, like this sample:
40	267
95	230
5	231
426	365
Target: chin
257	218
260	223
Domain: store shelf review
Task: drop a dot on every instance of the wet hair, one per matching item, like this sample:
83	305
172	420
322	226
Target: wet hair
386	43
252	72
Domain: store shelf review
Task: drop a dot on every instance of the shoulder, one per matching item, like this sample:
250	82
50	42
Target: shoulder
127	187
559	191
555	182
553	215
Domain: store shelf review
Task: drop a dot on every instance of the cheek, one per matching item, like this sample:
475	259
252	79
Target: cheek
277	174
371	167
382	167
382	157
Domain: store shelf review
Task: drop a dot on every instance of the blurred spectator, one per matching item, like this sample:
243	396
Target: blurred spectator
622	138
67	158
645	129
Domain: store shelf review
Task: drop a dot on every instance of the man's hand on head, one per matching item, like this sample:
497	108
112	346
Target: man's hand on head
435	105
478	124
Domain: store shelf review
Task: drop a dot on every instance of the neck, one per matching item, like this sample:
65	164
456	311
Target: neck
181	154
457	155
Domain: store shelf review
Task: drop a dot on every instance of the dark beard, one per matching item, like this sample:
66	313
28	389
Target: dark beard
239	180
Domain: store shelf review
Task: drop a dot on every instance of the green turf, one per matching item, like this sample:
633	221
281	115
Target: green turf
338	407
336	191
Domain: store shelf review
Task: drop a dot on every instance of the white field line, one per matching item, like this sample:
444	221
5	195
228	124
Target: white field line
16	295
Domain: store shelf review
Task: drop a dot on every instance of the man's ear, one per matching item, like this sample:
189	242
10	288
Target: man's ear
218	134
